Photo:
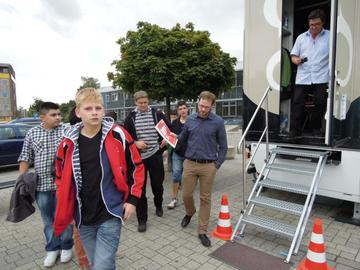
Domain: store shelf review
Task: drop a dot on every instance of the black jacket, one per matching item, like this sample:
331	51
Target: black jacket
129	123
176	127
22	198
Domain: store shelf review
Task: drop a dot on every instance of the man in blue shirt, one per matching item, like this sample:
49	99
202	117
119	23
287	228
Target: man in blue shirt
311	55
205	135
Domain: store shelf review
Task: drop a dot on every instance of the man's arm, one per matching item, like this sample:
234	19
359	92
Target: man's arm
222	142
26	155
296	60
295	52
23	167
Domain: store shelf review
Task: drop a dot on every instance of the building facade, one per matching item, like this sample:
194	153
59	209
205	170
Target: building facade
229	104
7	92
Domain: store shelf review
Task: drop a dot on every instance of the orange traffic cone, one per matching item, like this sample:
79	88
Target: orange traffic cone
315	257
223	229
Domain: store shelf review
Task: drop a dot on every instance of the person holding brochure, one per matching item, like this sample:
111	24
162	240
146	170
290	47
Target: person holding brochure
178	153
140	123
205	135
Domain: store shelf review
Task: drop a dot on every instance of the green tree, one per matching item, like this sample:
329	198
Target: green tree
171	63
89	82
65	109
19	111
34	107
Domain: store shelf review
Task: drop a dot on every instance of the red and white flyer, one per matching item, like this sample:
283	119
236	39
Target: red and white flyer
165	132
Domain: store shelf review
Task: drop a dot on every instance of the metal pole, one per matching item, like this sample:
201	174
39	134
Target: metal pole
267	126
244	175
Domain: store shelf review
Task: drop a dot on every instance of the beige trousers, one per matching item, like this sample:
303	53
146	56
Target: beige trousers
206	174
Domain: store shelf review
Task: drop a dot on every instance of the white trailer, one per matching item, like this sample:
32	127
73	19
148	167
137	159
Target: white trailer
271	27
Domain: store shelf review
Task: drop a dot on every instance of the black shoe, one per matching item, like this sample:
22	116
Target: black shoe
205	241
159	212
185	221
317	133
142	227
294	134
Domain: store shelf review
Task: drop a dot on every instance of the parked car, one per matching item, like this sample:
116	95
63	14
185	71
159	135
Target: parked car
27	121
11	142
233	121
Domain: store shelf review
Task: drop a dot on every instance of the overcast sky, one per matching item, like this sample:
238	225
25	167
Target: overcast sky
52	43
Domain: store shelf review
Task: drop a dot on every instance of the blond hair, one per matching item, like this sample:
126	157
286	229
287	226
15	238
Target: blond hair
208	96
140	94
88	94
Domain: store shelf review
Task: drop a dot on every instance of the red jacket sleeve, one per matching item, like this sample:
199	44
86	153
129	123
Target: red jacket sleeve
135	169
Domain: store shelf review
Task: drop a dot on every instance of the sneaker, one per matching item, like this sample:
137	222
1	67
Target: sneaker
172	204
66	255
51	257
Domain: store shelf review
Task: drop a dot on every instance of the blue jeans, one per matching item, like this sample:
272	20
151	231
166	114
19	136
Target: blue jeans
101	243
177	167
46	201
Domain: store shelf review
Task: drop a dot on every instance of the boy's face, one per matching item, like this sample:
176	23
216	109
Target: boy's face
91	113
51	119
183	110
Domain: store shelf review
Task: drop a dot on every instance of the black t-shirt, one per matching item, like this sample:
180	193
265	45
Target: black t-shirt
93	210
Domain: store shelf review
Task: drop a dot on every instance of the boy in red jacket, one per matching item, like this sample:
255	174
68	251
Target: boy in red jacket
99	177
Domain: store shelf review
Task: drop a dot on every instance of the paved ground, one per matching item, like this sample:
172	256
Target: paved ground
165	245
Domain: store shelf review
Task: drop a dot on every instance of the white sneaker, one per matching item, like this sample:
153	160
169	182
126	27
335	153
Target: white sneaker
172	204
66	255
51	257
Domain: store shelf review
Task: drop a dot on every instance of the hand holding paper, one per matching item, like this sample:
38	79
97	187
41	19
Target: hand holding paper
165	132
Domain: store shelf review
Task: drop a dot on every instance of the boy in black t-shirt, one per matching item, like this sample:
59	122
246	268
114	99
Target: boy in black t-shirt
100	175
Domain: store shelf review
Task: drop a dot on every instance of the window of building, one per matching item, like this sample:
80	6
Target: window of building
229	109
114	96
107	99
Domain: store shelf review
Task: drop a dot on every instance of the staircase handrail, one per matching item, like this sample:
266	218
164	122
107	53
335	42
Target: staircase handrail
265	131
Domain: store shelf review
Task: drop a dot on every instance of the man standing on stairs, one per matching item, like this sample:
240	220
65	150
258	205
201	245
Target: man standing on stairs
206	150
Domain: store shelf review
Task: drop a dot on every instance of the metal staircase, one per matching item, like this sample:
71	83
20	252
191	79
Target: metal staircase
278	160
289	167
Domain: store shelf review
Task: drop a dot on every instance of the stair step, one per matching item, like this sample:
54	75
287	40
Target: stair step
290	168
284	206
298	152
284	186
270	224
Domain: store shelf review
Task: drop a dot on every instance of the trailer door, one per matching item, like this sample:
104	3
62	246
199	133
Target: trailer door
262	54
344	95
